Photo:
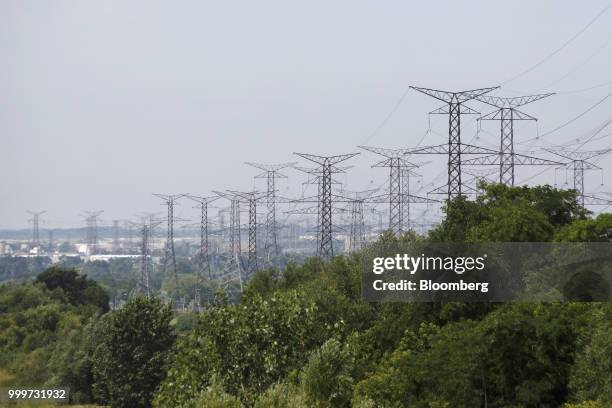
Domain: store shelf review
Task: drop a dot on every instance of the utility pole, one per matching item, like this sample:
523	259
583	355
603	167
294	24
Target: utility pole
169	202
204	255
578	163
35	226
399	197
507	113
454	107
271	173
325	248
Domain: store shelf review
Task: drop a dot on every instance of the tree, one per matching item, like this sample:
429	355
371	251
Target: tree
588	230
327	377
130	361
77	288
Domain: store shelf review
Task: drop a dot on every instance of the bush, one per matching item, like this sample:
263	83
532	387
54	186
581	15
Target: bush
130	360
327	379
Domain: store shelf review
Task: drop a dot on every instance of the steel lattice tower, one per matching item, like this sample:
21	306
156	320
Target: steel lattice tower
251	199
326	247
169	253
144	260
203	255
357	228
507	113
271	173
234	266
454	108
579	164
91	219
35	226
399	197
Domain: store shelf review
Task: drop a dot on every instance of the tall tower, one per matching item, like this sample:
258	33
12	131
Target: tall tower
578	163
399	197
251	199
454	107
507	113
35	226
327	163
169	253
91	219
271	173
204	255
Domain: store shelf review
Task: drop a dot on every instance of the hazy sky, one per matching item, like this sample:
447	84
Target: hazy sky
104	102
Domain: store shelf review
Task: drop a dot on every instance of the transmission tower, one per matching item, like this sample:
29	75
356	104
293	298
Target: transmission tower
251	199
204	255
357	227
454	108
271	173
325	247
233	268
169	253
507	113
116	236
91	219
35	226
579	164
144	280
399	197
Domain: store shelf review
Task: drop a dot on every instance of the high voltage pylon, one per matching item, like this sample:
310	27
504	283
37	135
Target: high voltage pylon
579	164
203	254
144	279
233	269
399	197
507	113
91	220
325	248
116	236
454	108
251	198
271	173
36	226
169	252
357	239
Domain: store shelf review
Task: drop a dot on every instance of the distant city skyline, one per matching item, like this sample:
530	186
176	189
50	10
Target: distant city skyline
104	103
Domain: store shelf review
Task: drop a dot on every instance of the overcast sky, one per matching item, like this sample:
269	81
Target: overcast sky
104	102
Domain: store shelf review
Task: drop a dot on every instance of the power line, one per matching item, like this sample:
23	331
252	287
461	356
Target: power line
565	44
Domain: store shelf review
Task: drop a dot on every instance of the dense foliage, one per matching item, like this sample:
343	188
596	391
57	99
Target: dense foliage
303	337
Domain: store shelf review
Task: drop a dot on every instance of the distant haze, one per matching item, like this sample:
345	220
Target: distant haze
104	102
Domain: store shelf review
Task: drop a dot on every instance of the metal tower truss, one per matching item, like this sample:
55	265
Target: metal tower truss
203	254
91	219
144	279
578	163
399	197
169	252
271	173
325	196
36	226
454	108
593	200
233	268
357	239
251	198
507	113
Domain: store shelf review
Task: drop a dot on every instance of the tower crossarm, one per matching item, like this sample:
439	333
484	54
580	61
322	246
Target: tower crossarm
511	102
454	97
